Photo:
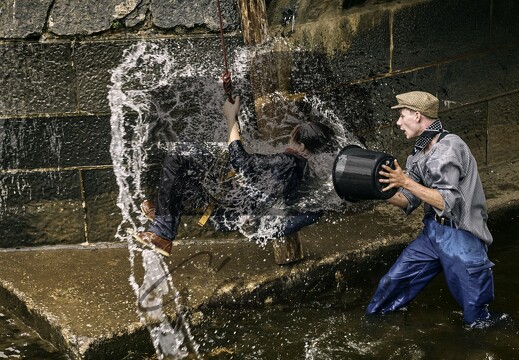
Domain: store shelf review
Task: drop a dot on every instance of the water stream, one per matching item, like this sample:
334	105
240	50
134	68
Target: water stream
153	92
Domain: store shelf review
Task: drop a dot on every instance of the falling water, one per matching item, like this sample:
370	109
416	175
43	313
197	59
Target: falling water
15	149
158	101
145	68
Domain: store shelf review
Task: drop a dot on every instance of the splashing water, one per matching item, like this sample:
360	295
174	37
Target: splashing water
168	340
145	68
159	101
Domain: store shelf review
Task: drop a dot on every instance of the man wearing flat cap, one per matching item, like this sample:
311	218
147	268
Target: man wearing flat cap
442	173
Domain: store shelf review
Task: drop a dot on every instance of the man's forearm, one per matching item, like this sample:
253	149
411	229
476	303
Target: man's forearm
427	195
234	133
398	200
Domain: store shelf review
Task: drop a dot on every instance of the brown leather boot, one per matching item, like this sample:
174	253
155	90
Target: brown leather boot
148	209
151	240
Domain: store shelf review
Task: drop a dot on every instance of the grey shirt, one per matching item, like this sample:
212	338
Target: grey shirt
450	168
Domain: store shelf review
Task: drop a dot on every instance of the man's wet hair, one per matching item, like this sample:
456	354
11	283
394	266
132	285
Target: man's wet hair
316	137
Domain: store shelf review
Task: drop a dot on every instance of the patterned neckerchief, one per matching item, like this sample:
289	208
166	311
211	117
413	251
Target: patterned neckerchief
425	138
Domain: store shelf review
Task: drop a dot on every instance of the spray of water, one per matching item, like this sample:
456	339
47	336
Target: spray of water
159	100
144	69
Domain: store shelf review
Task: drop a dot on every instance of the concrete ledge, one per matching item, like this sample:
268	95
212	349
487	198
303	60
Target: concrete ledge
79	298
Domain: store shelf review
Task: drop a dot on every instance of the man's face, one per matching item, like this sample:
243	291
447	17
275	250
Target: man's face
408	122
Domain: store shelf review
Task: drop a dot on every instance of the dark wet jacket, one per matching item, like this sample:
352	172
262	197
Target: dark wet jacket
270	184
283	171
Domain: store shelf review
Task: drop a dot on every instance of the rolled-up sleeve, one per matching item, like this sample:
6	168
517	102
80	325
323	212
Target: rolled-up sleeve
239	158
445	173
413	201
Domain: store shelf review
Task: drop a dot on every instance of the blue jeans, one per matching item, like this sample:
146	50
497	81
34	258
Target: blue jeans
462	257
180	179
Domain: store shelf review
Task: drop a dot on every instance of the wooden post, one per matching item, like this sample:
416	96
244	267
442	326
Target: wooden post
267	79
288	249
253	21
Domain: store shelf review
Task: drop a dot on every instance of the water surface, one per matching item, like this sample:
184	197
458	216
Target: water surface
334	327
18	341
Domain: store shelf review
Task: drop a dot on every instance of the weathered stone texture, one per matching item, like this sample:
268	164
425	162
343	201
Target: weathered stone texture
26	18
94	62
103	215
505	17
138	15
168	14
40	208
479	77
36	79
54	142
439	30
86	17
337	49
306	10
503	129
23	18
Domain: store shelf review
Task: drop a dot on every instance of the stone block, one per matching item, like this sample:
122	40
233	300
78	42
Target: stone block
503	129
54	142
39	208
87	17
23	18
36	78
340	50
168	14
479	77
169	75
469	123
504	21
103	214
94	62
429	32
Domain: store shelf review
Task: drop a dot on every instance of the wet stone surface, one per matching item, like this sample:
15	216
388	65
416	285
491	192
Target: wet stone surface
92	309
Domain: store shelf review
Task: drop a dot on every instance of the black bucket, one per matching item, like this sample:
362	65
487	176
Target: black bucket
356	177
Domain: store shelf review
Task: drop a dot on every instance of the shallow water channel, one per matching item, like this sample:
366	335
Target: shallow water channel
17	341
334	326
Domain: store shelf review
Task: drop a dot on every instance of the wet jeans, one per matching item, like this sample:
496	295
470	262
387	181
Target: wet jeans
461	256
181	177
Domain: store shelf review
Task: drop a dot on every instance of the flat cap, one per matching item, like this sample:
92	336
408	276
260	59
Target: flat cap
420	101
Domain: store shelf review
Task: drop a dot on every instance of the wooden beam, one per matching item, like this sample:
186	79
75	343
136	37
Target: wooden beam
253	21
288	249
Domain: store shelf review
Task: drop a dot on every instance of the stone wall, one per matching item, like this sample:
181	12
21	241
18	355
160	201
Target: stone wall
57	183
